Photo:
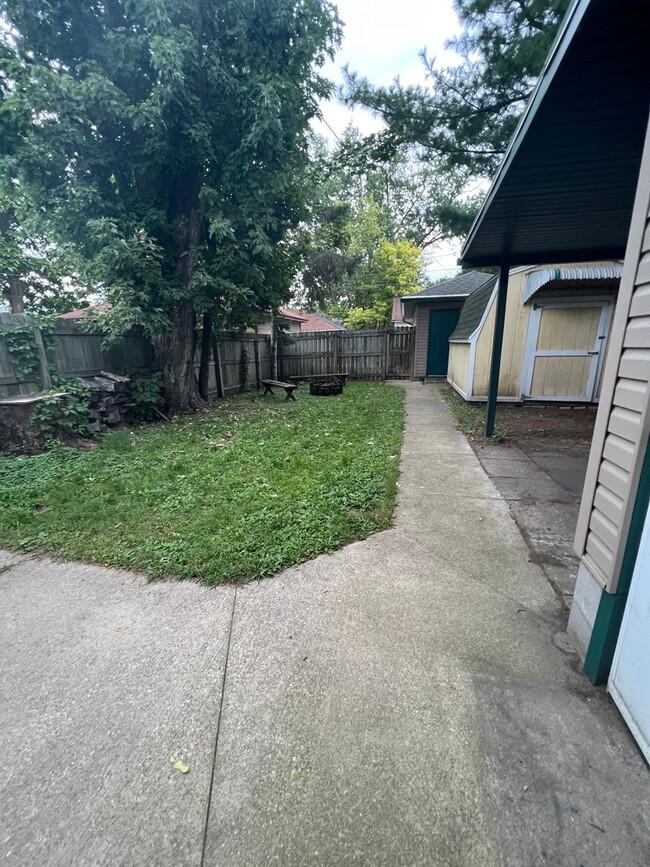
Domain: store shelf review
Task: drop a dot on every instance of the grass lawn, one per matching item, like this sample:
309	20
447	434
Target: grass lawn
252	486
470	416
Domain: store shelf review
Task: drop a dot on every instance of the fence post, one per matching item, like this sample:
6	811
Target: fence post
336	353
384	354
258	375
42	359
217	367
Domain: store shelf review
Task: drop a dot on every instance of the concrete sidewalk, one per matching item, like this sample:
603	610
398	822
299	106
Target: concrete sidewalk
406	700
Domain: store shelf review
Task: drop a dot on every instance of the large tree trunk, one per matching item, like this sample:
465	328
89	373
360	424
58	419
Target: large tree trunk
14	293
206	347
174	351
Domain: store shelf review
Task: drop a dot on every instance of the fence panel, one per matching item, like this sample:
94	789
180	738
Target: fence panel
373	354
308	354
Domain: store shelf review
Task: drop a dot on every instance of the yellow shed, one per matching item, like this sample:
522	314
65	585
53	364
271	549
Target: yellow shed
555	336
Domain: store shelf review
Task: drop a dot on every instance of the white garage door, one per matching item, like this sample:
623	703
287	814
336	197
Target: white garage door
629	681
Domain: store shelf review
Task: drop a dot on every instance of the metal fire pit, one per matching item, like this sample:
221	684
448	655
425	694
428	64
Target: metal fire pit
334	386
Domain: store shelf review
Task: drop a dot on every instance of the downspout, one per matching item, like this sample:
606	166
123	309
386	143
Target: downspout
497	345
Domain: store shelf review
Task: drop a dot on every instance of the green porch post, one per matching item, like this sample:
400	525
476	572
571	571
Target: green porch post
497	343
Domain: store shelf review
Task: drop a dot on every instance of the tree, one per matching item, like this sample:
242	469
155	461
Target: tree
467	113
394	270
163	147
356	203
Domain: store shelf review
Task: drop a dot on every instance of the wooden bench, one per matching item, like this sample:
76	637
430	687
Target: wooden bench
289	387
315	377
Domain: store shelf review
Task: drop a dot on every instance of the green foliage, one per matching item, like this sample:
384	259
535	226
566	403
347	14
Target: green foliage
360	318
63	415
470	416
467	112
146	393
23	352
162	145
237	493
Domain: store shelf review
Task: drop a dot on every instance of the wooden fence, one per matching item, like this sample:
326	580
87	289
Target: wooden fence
78	352
384	353
379	354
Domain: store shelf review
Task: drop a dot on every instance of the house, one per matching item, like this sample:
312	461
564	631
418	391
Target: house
434	312
555	334
297	321
574	186
397	315
318	322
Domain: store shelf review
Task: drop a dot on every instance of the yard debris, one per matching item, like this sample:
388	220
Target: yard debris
178	765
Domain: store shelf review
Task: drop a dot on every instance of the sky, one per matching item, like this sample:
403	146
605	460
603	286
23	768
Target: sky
382	40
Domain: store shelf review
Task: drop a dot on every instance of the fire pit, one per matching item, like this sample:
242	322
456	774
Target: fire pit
332	386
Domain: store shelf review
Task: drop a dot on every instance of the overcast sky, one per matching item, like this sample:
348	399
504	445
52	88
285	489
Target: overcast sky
382	40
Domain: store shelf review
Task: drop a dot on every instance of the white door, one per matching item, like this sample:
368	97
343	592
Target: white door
629	680
565	349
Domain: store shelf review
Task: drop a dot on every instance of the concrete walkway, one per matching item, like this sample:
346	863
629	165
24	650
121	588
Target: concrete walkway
407	700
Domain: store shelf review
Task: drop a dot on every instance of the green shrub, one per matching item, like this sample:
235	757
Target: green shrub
147	396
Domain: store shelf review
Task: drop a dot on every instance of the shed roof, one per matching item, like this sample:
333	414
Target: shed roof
565	189
472	311
458	287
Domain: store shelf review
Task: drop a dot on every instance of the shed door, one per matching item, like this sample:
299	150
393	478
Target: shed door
565	350
441	325
629	681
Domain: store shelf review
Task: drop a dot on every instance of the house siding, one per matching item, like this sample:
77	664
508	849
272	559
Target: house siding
515	336
514	343
421	322
621	431
458	370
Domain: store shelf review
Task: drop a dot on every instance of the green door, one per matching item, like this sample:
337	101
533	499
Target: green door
441	324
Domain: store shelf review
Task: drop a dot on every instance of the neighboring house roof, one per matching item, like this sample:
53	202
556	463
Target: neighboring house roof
457	287
473	310
293	315
83	312
565	188
318	322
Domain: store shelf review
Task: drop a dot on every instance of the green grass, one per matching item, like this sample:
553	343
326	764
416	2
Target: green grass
252	486
470	416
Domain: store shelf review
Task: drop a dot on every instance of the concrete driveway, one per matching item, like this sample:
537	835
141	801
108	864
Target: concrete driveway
410	699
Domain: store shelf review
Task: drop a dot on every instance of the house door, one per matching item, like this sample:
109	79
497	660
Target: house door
629	681
565	350
441	325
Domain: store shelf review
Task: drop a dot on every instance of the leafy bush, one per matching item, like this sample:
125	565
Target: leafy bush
147	396
63	415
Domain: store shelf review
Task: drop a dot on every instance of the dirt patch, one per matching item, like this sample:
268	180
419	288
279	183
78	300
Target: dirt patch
561	429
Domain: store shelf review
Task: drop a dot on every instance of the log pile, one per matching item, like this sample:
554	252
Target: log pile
109	397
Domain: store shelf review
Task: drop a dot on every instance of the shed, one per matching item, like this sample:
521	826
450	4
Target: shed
574	186
434	312
555	335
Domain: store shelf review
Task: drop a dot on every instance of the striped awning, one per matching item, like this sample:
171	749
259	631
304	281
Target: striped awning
537	279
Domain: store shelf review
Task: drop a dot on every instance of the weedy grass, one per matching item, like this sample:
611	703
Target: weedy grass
470	416
242	491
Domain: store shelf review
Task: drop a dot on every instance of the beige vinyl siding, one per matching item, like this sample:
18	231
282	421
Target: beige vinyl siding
515	333
621	432
458	370
421	322
514	343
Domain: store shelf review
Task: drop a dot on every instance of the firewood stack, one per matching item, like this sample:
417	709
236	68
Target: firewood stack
109	398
